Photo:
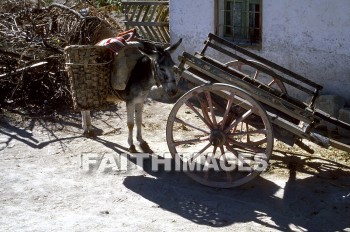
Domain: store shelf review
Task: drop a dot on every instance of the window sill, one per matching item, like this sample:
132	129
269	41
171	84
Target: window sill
254	46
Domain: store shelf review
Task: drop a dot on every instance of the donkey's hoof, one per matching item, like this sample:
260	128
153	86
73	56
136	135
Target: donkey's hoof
132	149
93	133
89	134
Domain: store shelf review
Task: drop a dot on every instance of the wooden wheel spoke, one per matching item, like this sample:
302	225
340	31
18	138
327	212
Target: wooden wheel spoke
206	173
222	150
229	177
228	113
177	143
198	114
204	148
256	74
272	82
211	108
257	143
233	151
204	108
190	125
247	129
228	108
214	149
252	143
236	154
238	120
245	146
200	152
248	133
261	131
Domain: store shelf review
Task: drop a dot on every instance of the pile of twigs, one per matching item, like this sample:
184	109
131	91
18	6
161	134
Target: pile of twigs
32	39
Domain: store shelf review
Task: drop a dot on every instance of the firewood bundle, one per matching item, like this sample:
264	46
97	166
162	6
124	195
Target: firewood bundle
32	41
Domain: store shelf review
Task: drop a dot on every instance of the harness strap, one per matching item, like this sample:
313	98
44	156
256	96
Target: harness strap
155	72
116	94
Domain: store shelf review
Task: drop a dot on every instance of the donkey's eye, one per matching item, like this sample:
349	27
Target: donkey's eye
162	69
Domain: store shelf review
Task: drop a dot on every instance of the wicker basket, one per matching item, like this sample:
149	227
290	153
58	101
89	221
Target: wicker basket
89	73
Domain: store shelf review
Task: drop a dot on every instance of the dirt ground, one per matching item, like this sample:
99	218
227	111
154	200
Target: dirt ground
44	187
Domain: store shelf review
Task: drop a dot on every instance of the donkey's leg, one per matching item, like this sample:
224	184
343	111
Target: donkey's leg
86	121
138	120
130	109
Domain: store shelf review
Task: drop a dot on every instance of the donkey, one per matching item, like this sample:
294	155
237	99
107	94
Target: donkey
155	67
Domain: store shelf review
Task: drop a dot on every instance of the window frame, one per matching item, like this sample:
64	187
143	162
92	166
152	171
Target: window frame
220	20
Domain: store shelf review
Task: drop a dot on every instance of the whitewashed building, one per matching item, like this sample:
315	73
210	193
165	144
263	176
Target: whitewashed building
310	37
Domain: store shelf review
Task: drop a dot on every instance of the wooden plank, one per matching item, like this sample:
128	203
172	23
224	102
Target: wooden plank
261	68
256	83
134	8
166	34
156	34
244	77
339	145
126	12
143	32
160	11
152	14
149	17
148	24
162	32
145	13
326	117
302	114
165	14
275	119
146	3
265	61
294	129
137	19
153	36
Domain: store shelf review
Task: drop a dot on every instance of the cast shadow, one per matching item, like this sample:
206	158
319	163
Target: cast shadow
26	136
297	204
68	122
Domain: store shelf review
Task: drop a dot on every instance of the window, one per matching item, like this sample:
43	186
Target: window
240	21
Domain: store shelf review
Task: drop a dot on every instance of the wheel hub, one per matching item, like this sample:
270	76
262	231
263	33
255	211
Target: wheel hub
217	138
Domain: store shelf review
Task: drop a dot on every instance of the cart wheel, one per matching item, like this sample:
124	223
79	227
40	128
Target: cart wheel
219	136
270	81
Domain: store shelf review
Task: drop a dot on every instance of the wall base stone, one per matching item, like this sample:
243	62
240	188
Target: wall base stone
330	104
344	115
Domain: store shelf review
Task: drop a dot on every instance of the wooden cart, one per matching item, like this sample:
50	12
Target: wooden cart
221	133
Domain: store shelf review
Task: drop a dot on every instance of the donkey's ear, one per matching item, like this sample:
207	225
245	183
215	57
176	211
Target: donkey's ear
173	47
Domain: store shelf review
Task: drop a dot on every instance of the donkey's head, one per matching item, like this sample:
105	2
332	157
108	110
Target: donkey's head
163	67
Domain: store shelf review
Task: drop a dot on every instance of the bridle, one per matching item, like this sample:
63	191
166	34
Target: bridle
157	74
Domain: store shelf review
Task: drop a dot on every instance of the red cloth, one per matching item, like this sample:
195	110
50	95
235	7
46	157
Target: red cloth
117	43
114	44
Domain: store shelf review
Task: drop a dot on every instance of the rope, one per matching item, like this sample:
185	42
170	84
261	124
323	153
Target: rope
88	64
155	72
116	94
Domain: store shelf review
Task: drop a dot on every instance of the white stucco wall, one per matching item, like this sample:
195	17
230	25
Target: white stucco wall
310	37
191	20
